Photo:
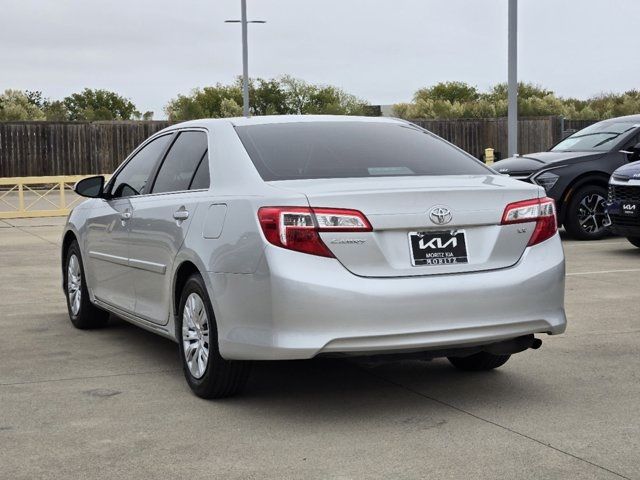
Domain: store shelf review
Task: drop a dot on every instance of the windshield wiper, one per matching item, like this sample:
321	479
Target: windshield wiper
596	133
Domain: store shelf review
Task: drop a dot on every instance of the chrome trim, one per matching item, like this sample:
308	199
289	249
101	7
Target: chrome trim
632	182
149	266
130	262
109	258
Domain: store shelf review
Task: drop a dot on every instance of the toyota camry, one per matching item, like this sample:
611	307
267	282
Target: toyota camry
276	238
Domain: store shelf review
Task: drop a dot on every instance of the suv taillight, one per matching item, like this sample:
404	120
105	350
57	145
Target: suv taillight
539	210
298	228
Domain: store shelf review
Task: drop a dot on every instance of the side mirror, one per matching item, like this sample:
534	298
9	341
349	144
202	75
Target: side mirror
92	187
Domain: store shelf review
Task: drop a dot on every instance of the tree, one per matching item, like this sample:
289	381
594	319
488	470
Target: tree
280	96
99	104
16	105
55	111
448	91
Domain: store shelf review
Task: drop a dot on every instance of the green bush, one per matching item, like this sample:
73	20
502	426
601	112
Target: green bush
460	100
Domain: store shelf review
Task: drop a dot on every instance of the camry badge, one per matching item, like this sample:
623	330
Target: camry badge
440	215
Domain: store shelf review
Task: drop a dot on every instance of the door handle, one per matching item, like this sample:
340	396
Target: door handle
181	214
126	215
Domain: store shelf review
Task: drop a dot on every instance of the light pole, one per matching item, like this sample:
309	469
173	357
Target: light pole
245	56
512	112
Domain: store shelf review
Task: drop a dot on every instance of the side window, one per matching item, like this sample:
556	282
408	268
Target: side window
132	179
181	162
633	141
201	178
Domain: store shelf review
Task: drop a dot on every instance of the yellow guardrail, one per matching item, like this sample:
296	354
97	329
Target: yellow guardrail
29	197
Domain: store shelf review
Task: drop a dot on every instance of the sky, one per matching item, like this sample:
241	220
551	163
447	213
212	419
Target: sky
381	51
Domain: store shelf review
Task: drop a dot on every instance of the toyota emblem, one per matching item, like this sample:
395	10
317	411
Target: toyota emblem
440	215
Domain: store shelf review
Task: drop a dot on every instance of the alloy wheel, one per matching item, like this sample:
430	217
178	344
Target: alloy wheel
195	335
74	284
591	213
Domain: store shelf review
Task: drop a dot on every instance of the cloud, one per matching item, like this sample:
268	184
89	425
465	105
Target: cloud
382	51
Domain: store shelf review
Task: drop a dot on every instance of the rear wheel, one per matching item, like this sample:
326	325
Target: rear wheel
586	218
207	373
82	313
479	362
635	241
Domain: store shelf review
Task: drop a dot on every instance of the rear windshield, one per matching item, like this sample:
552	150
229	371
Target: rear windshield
306	150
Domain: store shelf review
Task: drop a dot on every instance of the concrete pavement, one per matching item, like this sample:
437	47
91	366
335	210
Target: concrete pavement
113	403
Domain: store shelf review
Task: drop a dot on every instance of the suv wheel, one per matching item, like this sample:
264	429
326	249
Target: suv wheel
635	241
479	362
82	313
207	373
586	218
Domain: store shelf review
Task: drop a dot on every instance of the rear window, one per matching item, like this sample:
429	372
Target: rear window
307	150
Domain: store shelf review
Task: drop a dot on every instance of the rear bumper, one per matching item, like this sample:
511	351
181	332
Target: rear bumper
297	306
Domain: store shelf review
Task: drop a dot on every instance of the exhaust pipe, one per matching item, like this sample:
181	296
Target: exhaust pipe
514	345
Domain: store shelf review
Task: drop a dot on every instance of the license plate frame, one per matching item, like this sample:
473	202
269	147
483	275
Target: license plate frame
438	248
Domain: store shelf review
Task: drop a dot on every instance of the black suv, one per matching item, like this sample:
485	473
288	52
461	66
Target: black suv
575	173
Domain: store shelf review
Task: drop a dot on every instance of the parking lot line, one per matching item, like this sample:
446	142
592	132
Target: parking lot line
566	244
599	272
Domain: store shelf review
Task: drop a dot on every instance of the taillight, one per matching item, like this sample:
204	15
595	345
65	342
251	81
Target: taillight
298	228
539	210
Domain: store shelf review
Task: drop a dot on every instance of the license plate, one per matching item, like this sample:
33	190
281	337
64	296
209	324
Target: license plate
438	248
630	209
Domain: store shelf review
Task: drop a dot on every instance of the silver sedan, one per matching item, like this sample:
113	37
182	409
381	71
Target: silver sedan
290	237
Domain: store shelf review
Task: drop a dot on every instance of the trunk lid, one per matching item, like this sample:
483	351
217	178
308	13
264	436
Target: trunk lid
401	205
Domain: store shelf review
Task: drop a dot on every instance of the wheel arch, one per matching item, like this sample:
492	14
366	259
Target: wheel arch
183	272
68	238
600	179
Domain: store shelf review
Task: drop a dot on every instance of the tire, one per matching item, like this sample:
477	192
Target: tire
197	333
479	362
635	241
82	313
585	213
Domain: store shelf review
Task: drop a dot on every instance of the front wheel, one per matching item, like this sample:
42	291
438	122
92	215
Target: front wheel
635	241
586	218
479	362
82	313
207	373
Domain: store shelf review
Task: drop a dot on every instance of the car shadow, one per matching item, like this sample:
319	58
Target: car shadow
347	389
631	252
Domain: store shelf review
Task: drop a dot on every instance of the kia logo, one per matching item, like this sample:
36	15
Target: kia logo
437	243
440	215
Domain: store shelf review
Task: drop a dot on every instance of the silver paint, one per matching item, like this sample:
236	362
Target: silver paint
272	303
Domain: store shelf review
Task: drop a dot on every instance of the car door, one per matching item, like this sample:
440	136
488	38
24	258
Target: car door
108	231
161	220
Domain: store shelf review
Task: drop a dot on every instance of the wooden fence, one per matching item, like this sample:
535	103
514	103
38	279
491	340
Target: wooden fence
81	148
535	134
68	148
